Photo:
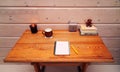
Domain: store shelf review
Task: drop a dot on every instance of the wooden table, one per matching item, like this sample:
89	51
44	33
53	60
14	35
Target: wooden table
39	51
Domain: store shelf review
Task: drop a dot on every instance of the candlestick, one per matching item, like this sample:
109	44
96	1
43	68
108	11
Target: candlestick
33	28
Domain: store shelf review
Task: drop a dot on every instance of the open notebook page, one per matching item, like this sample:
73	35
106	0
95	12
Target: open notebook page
62	48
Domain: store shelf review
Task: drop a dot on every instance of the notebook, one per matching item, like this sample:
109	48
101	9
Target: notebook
62	48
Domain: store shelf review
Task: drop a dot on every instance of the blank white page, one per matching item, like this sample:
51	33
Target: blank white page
62	48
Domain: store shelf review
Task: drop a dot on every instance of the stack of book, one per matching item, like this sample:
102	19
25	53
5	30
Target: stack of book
84	30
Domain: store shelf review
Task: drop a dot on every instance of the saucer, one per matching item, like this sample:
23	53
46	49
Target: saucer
49	37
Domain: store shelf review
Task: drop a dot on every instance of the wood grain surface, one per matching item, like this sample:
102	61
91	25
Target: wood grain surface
36	48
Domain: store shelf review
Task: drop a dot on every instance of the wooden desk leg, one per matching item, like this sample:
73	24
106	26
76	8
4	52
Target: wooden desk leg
84	67
36	67
42	68
79	69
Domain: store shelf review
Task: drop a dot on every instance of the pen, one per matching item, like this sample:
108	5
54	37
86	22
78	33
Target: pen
74	49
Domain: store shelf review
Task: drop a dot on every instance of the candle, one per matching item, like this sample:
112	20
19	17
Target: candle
33	28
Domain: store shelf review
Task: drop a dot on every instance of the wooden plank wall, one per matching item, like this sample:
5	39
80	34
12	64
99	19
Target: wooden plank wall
17	15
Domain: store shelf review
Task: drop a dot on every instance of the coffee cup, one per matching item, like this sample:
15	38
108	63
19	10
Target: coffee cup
48	33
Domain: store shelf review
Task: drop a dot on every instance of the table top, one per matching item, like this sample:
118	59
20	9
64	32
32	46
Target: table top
36	48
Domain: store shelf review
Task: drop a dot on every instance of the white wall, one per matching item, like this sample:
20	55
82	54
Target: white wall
16	15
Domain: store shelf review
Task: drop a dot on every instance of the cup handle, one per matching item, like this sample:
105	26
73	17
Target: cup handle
43	32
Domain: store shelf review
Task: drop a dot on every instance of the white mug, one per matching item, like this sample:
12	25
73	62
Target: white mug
47	32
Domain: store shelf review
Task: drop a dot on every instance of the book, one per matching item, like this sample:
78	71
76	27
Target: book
62	48
84	28
88	32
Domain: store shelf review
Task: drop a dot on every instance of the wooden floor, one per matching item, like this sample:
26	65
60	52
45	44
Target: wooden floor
29	68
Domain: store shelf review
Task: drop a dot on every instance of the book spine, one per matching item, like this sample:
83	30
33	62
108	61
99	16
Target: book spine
89	33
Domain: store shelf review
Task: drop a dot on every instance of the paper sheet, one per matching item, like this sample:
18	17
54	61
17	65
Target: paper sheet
62	48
